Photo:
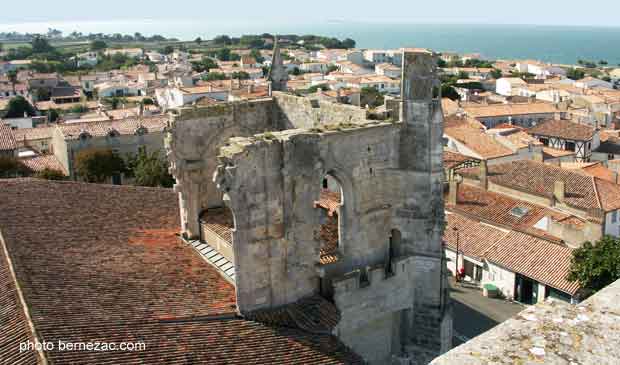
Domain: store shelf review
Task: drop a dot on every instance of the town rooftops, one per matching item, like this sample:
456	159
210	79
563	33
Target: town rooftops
564	129
539	259
123	127
504	211
108	266
504	110
581	191
485	146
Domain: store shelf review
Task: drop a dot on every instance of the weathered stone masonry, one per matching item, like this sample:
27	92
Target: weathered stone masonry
272	156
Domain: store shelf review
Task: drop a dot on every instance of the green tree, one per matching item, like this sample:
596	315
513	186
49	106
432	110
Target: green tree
448	91
371	96
50	174
241	75
97	165
575	74
204	65
97	45
596	266
496	74
150	169
222	40
168	50
41	45
348	43
12	76
198	41
212	76
602	62
18	106
12	167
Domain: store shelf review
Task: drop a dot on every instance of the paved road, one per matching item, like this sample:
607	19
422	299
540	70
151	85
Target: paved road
474	314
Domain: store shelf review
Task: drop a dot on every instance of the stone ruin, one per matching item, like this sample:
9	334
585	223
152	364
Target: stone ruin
271	161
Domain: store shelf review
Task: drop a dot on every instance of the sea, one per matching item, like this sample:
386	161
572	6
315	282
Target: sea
556	44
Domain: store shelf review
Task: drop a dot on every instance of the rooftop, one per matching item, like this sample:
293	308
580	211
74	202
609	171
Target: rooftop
130	279
539	259
564	129
504	110
123	126
7	139
582	191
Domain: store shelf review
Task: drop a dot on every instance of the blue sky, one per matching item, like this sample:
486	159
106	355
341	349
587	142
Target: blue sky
544	12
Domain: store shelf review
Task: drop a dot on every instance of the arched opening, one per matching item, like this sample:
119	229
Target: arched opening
331	203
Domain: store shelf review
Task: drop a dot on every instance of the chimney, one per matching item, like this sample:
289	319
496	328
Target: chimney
559	191
484	183
250	88
269	89
453	191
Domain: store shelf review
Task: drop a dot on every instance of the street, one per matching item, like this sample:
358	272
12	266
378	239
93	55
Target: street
474	314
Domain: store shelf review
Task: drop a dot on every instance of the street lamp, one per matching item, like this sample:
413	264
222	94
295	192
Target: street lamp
456	231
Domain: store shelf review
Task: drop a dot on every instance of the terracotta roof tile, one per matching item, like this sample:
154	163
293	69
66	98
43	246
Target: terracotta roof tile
13	322
7	138
539	179
564	129
42	162
498	209
541	260
124	126
485	145
32	134
454	159
104	263
500	110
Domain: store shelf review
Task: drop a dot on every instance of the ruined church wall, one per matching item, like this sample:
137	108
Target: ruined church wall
298	112
275	181
374	313
194	138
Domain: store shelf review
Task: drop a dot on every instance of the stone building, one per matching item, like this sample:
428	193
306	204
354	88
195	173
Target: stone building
264	163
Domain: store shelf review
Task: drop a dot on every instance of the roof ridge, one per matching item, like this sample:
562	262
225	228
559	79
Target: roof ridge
598	196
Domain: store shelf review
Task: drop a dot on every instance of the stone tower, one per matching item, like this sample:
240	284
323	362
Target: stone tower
277	74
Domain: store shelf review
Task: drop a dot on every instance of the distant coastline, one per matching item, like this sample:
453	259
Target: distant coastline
557	44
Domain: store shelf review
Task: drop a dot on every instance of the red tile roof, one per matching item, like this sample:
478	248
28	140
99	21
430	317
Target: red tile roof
13	321
539	259
42	162
564	129
103	263
582	191
454	159
328	233
31	134
497	209
123	126
7	139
